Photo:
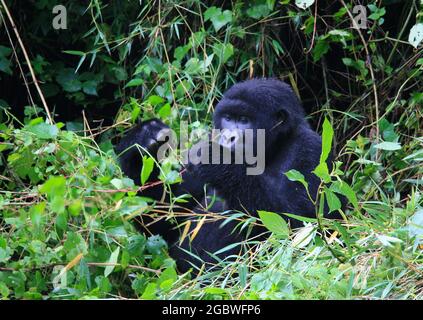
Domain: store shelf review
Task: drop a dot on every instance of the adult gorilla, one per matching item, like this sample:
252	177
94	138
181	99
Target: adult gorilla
290	143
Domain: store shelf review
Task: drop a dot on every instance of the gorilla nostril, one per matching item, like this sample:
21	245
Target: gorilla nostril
162	135
151	143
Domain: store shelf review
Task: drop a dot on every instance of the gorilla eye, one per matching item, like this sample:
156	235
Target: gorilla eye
227	117
244	119
281	116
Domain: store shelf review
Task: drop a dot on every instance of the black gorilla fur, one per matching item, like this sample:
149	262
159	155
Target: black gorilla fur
290	144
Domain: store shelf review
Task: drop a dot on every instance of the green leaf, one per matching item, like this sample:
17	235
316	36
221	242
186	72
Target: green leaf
215	291
150	291
294	175
260	8
74	52
36	213
388	146
5	51
155	245
69	80
322	171
321	48
343	188
5	62
54	186
274	223
181	51
168	275
44	131
147	168
155	100
57	204
62	221
4	290
75	207
165	111
134	83
333	201
112	260
90	87
327	136
218	18
223	51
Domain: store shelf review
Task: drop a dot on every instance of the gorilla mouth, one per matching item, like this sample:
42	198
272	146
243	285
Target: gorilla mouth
230	138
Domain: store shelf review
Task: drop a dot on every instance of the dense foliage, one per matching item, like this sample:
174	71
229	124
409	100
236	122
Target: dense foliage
66	210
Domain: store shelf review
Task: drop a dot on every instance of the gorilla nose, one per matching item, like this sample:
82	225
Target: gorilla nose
163	134
229	138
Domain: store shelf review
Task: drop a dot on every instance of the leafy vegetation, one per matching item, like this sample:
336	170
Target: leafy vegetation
67	213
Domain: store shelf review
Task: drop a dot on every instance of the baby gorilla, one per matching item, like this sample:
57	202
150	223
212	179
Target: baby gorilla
289	143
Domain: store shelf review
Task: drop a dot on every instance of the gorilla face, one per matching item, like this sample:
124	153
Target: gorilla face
232	128
257	104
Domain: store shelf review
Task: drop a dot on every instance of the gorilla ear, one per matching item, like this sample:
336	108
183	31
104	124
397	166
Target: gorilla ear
281	116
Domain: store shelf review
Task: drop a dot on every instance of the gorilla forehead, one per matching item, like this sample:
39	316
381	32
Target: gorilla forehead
260	95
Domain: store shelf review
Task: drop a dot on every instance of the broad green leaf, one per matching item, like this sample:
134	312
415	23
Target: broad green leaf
274	223
54	186
322	172
112	260
224	51
333	201
75	207
134	83
260	8
57	204
218	18
181	51
44	130
294	175
5	51
165	111
36	213
321	48
168	274
343	188
155	245
147	168
90	87
150	291
69	80
388	146
193	66
416	156
117	183
155	100
62	220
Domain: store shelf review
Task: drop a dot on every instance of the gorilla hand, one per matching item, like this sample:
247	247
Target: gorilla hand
143	139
